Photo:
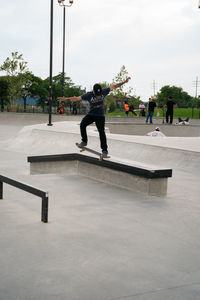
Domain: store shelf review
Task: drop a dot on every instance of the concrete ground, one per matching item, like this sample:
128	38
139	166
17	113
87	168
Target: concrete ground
102	242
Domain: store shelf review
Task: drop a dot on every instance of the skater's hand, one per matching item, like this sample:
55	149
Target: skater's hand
60	99
115	86
74	98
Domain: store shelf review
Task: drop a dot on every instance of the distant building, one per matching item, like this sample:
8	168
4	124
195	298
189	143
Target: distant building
120	102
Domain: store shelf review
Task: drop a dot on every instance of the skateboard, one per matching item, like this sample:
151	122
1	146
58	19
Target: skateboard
100	155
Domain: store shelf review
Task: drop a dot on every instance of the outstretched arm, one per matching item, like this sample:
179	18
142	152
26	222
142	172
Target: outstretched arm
73	99
115	86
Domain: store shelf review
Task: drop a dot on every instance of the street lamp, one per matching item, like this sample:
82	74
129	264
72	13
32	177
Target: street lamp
61	3
51	64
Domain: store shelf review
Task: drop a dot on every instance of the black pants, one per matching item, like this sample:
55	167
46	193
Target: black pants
169	114
100	124
74	110
130	109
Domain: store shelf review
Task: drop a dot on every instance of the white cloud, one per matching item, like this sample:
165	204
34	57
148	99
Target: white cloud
155	40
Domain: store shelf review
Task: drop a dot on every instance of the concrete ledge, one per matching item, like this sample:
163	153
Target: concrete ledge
144	179
142	129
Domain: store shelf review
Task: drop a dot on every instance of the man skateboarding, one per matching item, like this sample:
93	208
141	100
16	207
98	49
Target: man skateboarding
96	99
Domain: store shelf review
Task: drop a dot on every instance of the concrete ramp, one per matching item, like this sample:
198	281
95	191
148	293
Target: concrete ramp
104	241
142	129
43	139
182	153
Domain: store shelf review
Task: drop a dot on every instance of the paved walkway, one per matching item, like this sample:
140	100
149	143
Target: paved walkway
102	242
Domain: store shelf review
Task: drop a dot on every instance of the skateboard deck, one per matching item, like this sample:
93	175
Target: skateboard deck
100	155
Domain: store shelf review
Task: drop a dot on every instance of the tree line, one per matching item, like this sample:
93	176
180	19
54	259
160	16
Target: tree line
19	82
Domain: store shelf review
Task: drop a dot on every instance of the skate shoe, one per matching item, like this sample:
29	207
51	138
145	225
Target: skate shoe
105	154
81	144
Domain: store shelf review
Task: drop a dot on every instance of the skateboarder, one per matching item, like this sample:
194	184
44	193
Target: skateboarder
96	99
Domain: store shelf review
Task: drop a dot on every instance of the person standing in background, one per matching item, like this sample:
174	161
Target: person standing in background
151	106
142	109
170	109
126	107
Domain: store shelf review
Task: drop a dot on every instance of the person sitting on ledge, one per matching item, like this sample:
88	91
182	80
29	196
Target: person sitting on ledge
156	132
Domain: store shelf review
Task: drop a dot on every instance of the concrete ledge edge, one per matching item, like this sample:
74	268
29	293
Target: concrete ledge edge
142	172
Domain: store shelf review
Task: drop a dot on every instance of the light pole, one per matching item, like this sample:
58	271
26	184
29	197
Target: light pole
51	64
61	3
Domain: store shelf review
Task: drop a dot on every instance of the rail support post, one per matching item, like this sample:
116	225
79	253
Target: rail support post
45	200
1	190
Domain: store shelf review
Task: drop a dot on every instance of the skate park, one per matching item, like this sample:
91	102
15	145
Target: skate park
102	240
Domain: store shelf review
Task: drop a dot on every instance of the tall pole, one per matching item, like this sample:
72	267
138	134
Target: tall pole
197	83
195	97
61	3
51	64
154	88
63	67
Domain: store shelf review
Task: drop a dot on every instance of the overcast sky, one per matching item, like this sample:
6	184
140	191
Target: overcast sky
155	40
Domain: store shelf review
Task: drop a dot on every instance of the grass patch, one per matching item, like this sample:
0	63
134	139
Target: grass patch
178	113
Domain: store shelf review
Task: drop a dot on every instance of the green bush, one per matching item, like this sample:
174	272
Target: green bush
112	107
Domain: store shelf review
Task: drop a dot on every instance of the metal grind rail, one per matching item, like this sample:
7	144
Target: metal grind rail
30	189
